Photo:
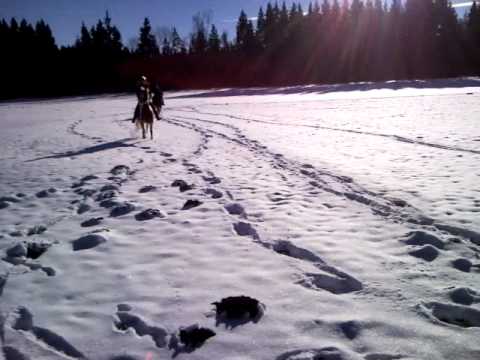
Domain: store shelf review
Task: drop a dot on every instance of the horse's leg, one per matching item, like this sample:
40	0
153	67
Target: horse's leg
151	130
143	130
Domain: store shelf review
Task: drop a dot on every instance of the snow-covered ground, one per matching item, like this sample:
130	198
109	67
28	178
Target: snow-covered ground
350	212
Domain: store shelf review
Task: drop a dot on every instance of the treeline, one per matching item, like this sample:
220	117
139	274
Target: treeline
327	42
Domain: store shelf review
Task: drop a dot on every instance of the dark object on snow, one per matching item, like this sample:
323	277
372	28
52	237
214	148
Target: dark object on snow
237	307
149	214
182	185
88	242
35	249
190	204
194	336
122	209
120	169
45	193
462	264
147	188
104	195
91	222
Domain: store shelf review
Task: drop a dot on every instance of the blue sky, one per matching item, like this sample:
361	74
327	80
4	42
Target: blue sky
65	16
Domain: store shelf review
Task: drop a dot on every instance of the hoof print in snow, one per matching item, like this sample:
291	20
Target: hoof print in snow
12	353
215	194
106	195
9	199
327	353
182	185
398	202
109	203
37	230
4	205
88	242
427	253
85	192
190	204
462	264
122	209
464	296
36	249
83	208
245	229
458	315
23	320
235	209
3	281
194	336
350	329
212	180
420	238
120	170
237	310
46	193
92	222
17	251
88	178
128	320
109	187
124	307
147	189
149	214
332	280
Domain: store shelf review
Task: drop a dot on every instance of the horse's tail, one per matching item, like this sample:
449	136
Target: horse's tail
138	124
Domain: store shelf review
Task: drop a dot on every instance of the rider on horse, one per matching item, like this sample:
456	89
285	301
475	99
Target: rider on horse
143	97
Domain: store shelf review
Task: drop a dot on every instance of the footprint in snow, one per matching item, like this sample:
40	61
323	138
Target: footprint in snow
149	214
427	253
182	185
83	208
190	204
245	229
92	222
462	264
235	209
147	189
122	209
46	193
87	242
464	296
22	319
126	320
327	353
121	170
420	238
215	194
457	315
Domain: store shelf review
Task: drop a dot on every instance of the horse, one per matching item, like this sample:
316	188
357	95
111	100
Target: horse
157	102
144	116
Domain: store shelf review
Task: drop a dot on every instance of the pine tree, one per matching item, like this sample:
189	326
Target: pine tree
242	30
260	33
214	40
473	25
178	45
198	42
147	45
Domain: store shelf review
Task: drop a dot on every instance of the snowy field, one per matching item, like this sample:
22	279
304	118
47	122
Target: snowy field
350	212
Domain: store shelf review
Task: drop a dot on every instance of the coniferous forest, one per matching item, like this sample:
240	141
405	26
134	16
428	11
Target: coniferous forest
329	42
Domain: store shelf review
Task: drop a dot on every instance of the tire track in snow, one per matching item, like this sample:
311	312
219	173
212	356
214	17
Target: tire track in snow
399	138
398	210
